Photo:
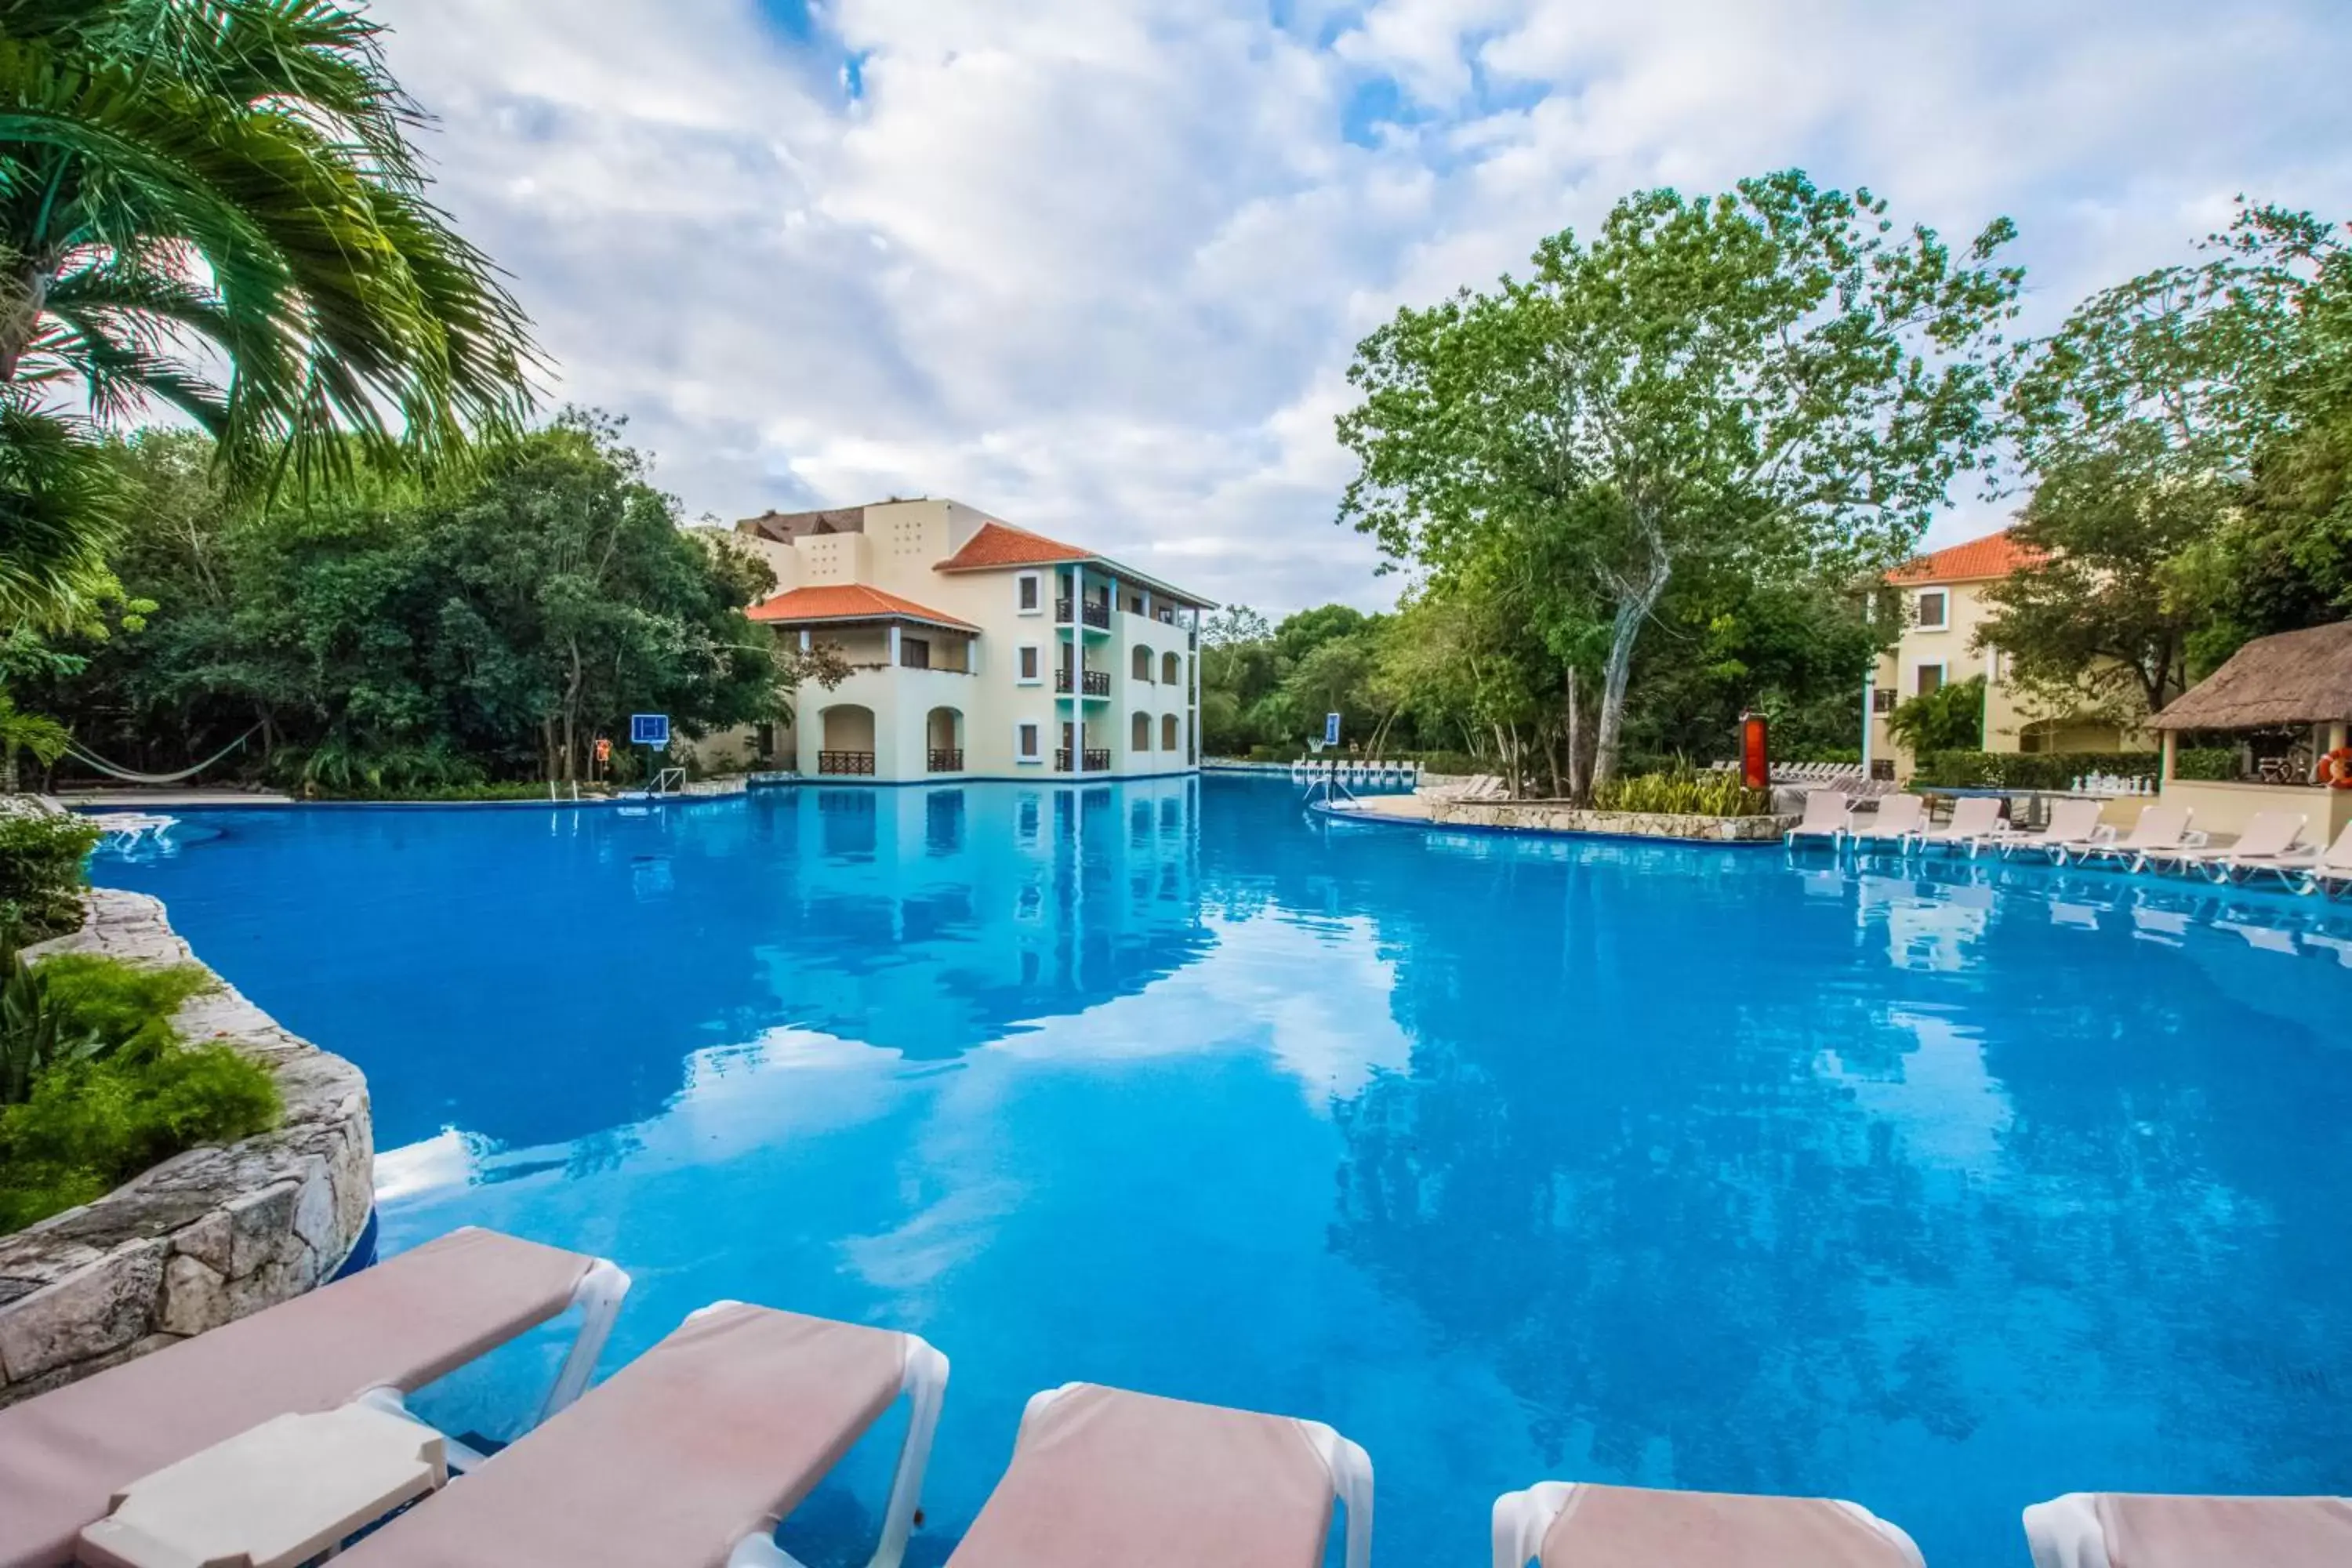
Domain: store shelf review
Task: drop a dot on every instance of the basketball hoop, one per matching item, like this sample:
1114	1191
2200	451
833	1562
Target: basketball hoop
1315	743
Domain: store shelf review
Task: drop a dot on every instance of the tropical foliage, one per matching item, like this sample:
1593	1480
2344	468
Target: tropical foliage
383	635
1949	718
41	878
1764	386
1683	792
97	1084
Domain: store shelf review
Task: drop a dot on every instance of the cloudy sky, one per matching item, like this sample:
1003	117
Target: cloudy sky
1097	266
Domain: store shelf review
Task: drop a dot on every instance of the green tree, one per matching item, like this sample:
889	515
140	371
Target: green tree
2141	420
1765	381
1949	718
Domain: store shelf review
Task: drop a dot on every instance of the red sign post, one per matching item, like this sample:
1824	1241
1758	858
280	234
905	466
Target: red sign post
1755	751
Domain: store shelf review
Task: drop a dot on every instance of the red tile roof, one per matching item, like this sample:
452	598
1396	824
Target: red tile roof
1994	555
1002	544
849	602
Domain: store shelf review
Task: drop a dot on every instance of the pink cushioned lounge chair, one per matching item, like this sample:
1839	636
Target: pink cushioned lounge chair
1572	1524
2130	1530
1102	1476
399	1325
687	1457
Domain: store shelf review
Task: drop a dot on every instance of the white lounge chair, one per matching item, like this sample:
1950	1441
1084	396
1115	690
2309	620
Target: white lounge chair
2158	827
2073	825
690	1455
1573	1524
1898	816
67	1454
1101	1476
1825	817
1976	822
2272	842
2332	867
2267	834
2112	1530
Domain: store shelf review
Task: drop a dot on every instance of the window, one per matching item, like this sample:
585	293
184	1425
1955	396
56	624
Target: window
1024	742
1172	671
1029	592
1141	733
1135	603
915	653
1168	732
1142	664
1929	677
1933	609
1882	699
1028	664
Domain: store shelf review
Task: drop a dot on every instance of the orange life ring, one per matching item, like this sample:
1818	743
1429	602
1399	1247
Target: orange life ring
2335	768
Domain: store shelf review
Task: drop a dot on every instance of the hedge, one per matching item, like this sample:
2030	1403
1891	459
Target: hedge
2028	769
2212	762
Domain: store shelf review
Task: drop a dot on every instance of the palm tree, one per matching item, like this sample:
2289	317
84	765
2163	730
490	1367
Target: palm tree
214	203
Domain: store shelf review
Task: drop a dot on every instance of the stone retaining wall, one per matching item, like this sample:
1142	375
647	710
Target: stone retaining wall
1552	817
208	1236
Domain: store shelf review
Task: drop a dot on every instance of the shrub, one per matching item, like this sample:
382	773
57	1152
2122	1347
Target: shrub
1950	718
1684	792
2218	762
91	1125
454	793
2027	769
42	856
96	1085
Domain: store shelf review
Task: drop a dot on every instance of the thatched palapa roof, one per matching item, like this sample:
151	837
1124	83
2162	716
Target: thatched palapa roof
2295	677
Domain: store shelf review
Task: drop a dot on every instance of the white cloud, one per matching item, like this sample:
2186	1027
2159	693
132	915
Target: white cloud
1098	266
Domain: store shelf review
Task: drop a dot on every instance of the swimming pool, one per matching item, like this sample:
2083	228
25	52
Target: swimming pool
1945	1189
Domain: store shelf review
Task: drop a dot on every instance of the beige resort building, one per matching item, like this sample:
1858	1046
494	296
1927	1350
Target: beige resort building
976	649
1943	604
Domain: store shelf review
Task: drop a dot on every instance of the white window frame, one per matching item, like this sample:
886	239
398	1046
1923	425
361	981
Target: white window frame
1036	580
1036	680
1036	732
1943	675
1943	623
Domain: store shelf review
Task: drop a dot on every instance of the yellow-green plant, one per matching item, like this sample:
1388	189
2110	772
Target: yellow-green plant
1683	791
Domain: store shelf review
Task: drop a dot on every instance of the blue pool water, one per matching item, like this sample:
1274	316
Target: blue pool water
1944	1190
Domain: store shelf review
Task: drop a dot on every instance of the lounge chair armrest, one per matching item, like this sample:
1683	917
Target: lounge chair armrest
1523	1519
1351	1482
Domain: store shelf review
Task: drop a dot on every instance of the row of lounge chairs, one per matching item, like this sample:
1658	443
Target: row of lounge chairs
2161	840
1478	787
693	1454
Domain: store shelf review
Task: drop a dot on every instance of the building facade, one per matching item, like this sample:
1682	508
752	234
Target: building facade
976	650
1943	606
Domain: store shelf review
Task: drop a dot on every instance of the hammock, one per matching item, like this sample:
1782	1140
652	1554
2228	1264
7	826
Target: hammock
78	754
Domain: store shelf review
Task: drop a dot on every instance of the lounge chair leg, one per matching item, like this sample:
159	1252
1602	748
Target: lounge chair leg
925	1381
1522	1520
1351	1478
598	1297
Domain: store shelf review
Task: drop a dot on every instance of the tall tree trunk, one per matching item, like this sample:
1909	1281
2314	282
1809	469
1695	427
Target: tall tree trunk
1576	792
1625	629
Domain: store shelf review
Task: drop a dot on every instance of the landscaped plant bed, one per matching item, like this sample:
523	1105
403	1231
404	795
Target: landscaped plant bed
1560	816
208	1236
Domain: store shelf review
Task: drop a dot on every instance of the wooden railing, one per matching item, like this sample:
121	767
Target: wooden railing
1098	760
845	763
946	761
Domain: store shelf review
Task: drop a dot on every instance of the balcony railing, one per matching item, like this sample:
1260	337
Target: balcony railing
1062	760
946	761
859	764
1092	682
1096	613
1098	760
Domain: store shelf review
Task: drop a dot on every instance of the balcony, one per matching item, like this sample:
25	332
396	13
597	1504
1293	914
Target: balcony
859	764
1092	682
1096	760
1095	612
1062	760
946	761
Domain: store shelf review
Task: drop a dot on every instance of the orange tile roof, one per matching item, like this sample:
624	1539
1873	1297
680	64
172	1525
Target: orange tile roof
1994	555
849	602
1002	544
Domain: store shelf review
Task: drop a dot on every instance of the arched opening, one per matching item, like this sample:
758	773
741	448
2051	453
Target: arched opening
1168	737
943	740
1143	664
1141	741
1172	671
846	744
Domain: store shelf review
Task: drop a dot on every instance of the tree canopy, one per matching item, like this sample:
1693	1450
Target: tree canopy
1769	383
